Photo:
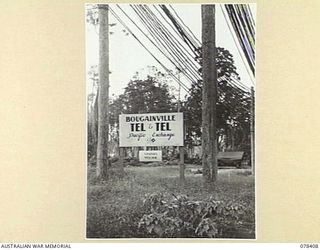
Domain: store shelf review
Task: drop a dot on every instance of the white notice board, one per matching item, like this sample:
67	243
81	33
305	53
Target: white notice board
154	129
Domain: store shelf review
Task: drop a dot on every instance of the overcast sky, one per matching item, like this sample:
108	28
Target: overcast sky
127	56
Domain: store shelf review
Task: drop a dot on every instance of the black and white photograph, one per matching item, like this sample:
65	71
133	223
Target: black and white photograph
170	94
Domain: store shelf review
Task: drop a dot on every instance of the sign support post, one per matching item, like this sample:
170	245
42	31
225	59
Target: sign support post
121	160
181	165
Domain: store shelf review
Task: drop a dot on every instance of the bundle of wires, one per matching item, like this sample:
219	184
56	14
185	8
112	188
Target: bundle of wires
177	42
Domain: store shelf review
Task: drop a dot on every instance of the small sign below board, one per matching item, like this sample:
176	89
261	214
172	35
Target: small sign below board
152	155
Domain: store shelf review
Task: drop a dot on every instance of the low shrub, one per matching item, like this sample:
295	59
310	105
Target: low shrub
180	217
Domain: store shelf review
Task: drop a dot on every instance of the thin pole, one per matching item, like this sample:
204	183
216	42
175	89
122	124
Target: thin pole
121	160
252	137
181	149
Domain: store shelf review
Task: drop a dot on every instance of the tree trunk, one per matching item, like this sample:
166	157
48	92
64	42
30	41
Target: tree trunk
209	93
103	97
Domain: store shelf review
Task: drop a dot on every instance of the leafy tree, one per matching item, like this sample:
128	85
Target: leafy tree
151	95
144	96
233	105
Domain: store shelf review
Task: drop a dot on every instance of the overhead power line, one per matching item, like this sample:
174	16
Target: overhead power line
164	39
129	30
237	45
153	42
184	35
242	24
178	49
195	39
169	45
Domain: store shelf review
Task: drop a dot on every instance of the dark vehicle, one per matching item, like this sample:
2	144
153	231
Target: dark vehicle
230	158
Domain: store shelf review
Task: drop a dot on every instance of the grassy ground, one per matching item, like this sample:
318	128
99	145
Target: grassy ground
115	206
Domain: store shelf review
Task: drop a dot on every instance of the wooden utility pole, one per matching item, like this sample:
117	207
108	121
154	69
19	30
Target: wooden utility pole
209	95
252	133
103	97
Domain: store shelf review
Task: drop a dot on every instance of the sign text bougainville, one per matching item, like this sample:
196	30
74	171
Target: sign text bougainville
157	129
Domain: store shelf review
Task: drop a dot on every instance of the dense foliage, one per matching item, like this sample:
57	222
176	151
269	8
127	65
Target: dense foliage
181	217
150	95
233	108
